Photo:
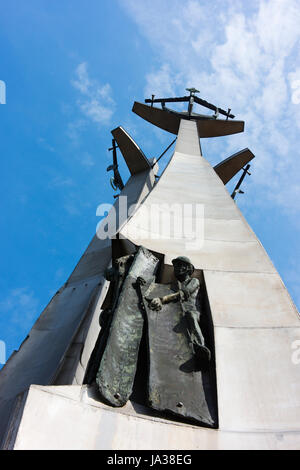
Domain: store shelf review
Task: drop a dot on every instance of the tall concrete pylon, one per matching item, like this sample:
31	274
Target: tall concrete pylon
44	402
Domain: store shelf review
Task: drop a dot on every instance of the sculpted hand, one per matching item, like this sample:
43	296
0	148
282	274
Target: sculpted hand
156	304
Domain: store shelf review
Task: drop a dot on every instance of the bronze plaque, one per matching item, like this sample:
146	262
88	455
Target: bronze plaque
176	383
118	364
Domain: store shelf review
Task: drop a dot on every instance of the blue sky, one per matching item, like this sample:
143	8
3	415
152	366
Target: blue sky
72	70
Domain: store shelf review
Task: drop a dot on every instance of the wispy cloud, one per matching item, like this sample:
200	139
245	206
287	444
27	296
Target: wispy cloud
96	100
162	82
21	306
87	160
60	181
60	274
71	205
74	130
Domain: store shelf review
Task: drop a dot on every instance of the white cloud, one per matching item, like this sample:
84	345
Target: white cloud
82	81
161	82
96	100
240	56
277	26
97	112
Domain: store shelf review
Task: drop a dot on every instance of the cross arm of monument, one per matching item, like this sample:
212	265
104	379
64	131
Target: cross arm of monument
169	121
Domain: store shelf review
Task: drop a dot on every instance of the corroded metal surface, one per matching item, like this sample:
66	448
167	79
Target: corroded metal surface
175	380
117	369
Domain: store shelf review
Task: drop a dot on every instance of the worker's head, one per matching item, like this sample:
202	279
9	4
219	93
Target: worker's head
182	267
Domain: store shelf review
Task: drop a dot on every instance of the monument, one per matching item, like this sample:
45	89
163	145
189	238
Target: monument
174	331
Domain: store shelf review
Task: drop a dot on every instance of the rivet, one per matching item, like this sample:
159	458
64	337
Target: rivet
117	396
179	404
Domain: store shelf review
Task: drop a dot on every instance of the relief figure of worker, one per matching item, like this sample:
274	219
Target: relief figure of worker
188	288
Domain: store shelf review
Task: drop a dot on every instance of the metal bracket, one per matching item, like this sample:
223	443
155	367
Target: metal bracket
116	180
237	188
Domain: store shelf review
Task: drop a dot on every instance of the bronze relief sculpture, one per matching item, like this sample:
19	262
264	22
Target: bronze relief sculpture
188	289
167	318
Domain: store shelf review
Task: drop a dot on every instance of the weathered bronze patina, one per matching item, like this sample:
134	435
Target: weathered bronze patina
118	364
186	294
177	357
116	275
176	346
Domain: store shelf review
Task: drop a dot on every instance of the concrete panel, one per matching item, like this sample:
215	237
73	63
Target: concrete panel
211	255
249	300
221	230
90	335
186	142
258	383
233	230
75	361
50	413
